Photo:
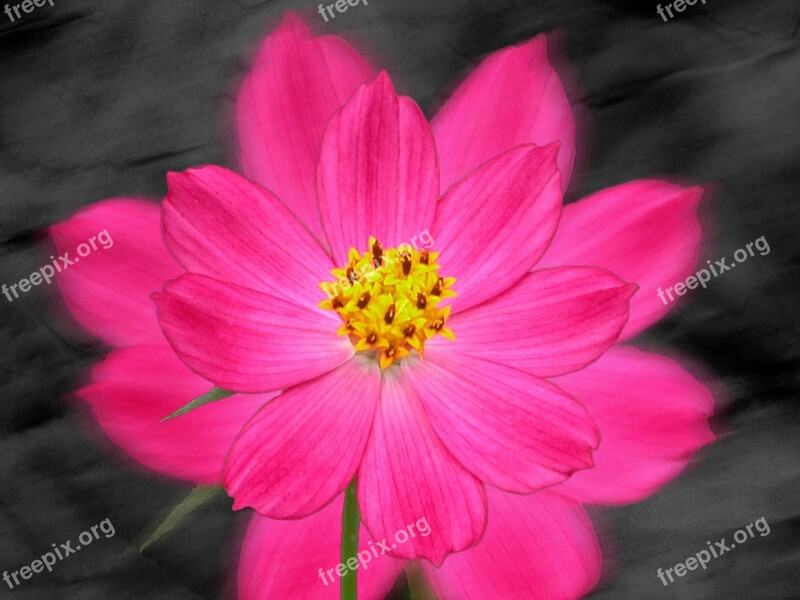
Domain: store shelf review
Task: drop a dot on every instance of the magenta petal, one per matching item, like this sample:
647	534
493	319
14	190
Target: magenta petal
245	340
377	171
514	97
134	388
551	322
653	415
645	231
218	223
297	82
108	291
408	475
304	447
508	428
493	225
283	559
537	547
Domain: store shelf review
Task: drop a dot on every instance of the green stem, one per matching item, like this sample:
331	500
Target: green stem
417	586
351	519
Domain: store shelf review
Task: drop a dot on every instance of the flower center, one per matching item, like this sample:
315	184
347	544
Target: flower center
389	300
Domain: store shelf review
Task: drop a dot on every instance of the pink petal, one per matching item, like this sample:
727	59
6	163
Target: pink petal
218	223
492	226
304	448
135	387
552	322
245	340
377	171
508	428
297	82
653	415
408	476
514	97
539	547
282	559
108	291
645	231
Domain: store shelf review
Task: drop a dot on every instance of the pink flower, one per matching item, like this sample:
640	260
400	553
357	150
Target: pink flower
424	436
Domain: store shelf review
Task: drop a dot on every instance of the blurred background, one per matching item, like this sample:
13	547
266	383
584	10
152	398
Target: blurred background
101	99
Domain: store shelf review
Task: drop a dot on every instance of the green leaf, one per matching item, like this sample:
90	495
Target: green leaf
198	497
212	396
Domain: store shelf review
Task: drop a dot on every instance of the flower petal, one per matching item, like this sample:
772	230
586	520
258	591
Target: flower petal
245	340
645	231
297	82
653	415
283	559
538	547
551	322
135	387
408	475
514	97
508	428
377	171
218	223
301	450
108	292
493	225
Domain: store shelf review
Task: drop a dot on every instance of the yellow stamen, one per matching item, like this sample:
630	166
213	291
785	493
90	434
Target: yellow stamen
389	299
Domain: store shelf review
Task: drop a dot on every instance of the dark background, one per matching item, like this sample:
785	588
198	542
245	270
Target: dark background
100	99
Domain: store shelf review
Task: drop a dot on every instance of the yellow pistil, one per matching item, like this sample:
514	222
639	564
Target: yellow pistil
389	300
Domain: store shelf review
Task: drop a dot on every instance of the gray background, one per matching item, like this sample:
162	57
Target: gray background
100	99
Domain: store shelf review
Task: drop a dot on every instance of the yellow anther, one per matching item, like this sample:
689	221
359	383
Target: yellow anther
389	299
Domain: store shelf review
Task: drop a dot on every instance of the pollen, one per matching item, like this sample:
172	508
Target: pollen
390	300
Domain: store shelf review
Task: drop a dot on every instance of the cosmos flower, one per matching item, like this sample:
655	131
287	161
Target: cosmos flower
424	376
483	390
